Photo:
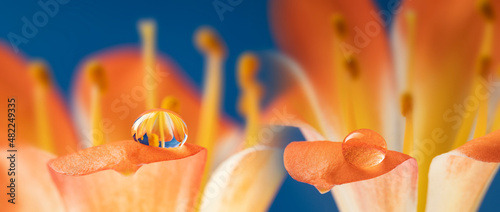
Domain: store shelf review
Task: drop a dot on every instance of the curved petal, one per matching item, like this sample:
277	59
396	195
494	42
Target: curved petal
34	189
247	181
281	112
459	179
287	81
303	30
125	97
17	83
149	178
395	190
321	163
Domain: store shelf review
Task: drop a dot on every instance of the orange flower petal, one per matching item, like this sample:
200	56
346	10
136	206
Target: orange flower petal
459	179
125	98
16	83
247	181
303	30
164	179
321	163
34	189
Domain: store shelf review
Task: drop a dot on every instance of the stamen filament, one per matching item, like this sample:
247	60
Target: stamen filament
482	116
213	48
171	103
39	71
496	120
209	44
407	98
248	66
356	95
97	77
496	115
342	81
481	72
148	35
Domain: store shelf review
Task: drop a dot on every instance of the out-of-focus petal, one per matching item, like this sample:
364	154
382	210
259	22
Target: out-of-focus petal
444	66
125	98
282	112
17	83
149	178
321	163
227	145
247	181
34	189
448	39
304	31
459	179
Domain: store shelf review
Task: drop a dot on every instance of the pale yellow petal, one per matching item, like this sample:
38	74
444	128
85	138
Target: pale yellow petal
247	181
459	179
393	191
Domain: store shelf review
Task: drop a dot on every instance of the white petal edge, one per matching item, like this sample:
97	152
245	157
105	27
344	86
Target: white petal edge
393	191
458	182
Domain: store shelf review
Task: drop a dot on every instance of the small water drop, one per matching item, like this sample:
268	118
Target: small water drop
160	128
364	148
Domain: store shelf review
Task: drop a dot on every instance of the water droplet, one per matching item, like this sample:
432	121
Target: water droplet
364	148
160	128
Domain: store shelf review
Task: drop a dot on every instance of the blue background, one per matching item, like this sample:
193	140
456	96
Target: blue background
84	27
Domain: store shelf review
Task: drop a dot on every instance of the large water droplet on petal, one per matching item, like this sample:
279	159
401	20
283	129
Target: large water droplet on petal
160	128
364	148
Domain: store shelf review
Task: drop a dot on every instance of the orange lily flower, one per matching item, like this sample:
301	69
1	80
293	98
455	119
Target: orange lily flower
108	170
440	72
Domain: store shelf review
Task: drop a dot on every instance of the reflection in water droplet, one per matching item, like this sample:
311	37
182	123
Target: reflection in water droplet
160	128
364	148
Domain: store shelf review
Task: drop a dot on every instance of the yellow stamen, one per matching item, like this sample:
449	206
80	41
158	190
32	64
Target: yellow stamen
340	35
40	73
481	74
496	120
496	116
248	66
486	10
209	44
171	103
410	145
97	78
339	26
148	35
213	48
482	116
407	98
356	94
354	113
407	112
